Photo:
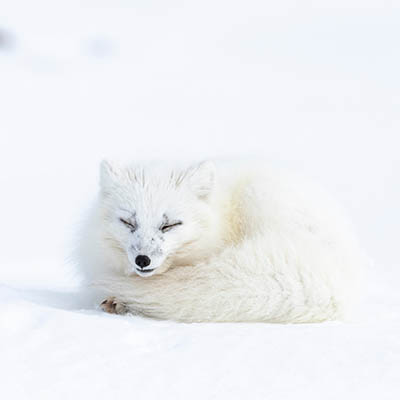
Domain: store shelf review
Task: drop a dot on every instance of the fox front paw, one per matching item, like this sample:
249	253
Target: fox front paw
113	306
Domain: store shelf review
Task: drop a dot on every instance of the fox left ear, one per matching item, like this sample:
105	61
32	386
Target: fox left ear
109	172
202	178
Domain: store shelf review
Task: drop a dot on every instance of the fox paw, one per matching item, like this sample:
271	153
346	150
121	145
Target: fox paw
113	306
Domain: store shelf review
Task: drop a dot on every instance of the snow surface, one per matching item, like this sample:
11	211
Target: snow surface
310	85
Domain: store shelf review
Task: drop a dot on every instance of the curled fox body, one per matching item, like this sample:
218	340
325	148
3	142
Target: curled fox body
218	242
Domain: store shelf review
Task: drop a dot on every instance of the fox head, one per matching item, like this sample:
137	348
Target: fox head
156	217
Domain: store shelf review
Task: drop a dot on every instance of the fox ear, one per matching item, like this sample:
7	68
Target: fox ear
109	172
202	178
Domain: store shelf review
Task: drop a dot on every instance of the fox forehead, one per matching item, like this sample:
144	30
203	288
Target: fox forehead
148	202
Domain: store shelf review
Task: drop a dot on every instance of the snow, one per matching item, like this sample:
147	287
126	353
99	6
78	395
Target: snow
309	85
57	350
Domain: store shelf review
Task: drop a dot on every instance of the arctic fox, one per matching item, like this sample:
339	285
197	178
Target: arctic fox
218	242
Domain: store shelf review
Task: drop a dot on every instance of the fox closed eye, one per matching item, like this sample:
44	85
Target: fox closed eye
130	225
167	227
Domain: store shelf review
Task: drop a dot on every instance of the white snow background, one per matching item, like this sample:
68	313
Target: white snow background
313	85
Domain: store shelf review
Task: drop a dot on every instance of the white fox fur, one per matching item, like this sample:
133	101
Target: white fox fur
249	243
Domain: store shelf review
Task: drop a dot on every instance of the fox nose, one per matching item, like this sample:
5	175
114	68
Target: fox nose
142	261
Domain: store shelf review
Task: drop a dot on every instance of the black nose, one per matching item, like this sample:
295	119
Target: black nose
142	261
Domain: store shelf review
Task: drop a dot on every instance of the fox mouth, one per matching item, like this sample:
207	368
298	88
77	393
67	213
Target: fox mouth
144	272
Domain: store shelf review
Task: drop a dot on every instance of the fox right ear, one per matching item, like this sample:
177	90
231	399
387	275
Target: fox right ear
202	178
109	172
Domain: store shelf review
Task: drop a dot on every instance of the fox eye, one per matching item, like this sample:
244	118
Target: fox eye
167	227
131	226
